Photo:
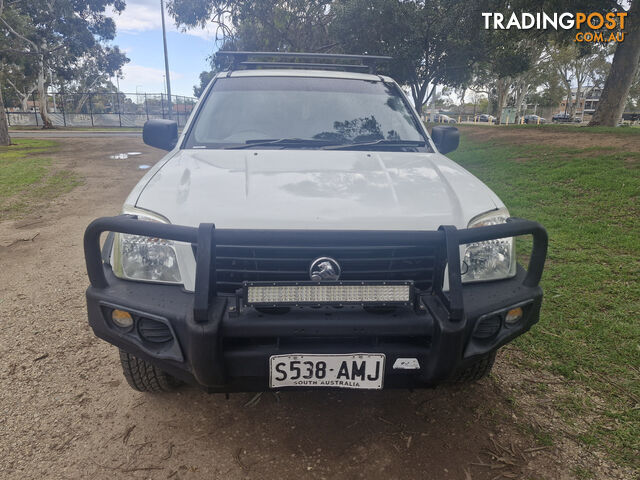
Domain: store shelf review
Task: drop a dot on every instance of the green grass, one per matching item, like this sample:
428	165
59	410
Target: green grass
27	179
559	127
543	438
577	128
589	331
582	473
19	128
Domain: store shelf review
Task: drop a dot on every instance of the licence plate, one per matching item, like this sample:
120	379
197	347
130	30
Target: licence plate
354	370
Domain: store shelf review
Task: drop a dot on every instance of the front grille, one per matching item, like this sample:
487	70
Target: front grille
233	343
258	262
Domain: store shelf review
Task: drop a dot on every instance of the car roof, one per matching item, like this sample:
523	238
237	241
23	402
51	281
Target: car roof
282	72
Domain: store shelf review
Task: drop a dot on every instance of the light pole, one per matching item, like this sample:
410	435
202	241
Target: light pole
166	58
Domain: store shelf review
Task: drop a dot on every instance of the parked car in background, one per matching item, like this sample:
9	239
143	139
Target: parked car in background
535	119
486	118
441	118
561	118
630	117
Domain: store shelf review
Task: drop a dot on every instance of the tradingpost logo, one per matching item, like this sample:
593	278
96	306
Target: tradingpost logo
590	27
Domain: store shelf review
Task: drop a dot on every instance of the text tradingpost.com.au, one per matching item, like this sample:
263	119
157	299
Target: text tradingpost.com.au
592	27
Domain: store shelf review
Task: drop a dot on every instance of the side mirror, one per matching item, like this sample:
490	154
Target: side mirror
160	134
446	138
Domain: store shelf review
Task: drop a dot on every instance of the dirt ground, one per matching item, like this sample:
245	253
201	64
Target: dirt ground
67	412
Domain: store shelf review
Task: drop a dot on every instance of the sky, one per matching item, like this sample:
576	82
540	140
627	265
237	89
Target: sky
139	34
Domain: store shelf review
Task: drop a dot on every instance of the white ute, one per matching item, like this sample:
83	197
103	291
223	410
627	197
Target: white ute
360	293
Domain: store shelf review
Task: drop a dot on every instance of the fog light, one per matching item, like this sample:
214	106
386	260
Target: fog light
122	319
513	316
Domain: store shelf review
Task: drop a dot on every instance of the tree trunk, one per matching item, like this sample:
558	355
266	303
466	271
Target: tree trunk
81	102
418	105
521	92
503	93
623	71
23	95
431	94
567	87
418	93
574	105
462	95
85	96
523	101
5	139
42	98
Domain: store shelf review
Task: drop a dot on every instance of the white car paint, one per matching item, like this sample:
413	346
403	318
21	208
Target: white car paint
308	189
315	189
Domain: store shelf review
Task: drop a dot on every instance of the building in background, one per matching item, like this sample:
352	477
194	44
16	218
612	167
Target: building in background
587	103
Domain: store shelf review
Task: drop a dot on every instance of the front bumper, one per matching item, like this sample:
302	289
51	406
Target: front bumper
212	341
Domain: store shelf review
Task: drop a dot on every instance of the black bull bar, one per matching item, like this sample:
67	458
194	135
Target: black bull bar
447	240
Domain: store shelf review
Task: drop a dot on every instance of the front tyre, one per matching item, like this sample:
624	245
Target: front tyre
481	368
145	377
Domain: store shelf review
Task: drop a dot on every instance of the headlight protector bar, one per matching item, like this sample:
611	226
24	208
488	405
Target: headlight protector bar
448	239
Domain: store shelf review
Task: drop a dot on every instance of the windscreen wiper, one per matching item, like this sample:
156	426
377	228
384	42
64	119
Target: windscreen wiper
382	142
284	142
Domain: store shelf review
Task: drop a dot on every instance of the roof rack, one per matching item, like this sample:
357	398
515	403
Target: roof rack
317	61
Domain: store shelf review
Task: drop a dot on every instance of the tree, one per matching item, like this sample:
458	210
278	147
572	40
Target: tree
432	43
600	65
549	92
512	54
267	25
258	25
572	68
18	75
93	71
55	35
205	78
626	58
501	71
5	139
633	100
622	74
284	25
504	73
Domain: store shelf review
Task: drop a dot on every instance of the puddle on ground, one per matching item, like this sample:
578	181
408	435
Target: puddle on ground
124	156
143	167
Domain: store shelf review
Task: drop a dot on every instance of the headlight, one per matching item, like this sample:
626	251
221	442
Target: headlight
490	260
145	258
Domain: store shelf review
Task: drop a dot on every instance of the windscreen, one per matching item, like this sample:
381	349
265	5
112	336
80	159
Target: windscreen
302	112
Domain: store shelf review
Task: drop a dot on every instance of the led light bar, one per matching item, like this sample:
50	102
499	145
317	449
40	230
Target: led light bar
327	293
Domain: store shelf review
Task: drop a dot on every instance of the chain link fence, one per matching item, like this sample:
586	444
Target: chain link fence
100	109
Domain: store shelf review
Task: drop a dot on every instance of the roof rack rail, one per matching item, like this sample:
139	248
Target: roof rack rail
317	61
